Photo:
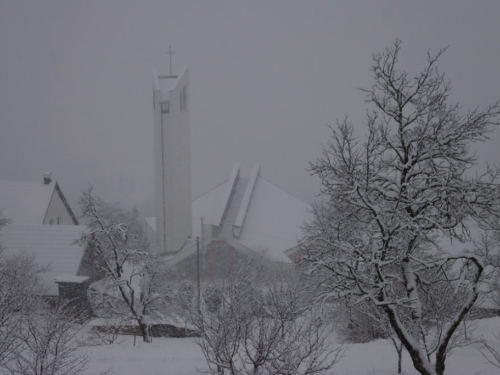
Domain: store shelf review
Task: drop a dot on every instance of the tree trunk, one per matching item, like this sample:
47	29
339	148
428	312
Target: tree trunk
144	330
419	359
399	349
400	358
441	352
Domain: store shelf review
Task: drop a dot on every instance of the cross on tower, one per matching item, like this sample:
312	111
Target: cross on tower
169	53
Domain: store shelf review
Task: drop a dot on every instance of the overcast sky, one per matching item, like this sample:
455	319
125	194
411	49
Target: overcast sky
265	78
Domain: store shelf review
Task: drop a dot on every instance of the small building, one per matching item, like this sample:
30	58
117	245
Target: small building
42	223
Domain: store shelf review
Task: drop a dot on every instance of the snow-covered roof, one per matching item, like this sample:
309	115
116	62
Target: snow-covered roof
204	206
245	202
71	279
25	202
228	190
207	206
273	221
52	246
151	222
267	219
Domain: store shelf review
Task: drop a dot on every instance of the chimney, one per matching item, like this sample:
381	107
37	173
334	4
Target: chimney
47	178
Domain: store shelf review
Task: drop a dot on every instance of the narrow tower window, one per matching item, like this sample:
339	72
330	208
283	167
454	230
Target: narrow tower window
165	107
183	99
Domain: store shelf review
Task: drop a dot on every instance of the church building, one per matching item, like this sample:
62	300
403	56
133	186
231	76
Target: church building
244	217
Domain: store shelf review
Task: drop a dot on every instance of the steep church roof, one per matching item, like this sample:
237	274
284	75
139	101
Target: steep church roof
263	218
273	221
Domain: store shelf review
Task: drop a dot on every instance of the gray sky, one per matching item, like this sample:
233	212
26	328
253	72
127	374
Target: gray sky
265	77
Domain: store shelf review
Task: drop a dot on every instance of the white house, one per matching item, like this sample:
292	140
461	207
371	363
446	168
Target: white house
42	223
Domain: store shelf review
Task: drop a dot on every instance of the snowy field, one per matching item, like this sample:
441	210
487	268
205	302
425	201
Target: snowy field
174	356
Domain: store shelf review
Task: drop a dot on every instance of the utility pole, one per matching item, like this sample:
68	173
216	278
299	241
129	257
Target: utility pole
203	261
198	270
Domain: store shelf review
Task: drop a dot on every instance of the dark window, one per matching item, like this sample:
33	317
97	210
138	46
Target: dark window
183	100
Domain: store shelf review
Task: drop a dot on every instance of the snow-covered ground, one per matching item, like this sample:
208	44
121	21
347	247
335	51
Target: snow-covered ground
174	356
165	356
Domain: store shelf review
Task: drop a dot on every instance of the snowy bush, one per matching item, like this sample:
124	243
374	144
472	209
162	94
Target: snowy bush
48	343
264	325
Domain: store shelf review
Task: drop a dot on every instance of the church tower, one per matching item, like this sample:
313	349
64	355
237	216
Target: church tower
172	161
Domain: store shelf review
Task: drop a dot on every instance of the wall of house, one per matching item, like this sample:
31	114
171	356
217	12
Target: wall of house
74	295
217	261
57	212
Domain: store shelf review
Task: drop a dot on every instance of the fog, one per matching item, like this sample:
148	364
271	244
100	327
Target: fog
265	79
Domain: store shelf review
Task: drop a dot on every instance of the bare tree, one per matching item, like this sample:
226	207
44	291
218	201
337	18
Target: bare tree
491	352
107	332
258	326
379	319
219	319
134	286
49	343
184	301
490	348
20	291
392	198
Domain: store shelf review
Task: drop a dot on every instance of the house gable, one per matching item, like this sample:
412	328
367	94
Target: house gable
34	203
58	211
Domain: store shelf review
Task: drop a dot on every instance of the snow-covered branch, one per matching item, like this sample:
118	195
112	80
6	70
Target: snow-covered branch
394	199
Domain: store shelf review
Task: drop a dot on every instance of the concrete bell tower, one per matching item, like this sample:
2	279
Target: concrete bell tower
172	152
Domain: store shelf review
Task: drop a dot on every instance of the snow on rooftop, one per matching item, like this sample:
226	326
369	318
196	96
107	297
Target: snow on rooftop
52	246
151	222
223	205
25	202
207	206
245	202
204	206
71	279
274	220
